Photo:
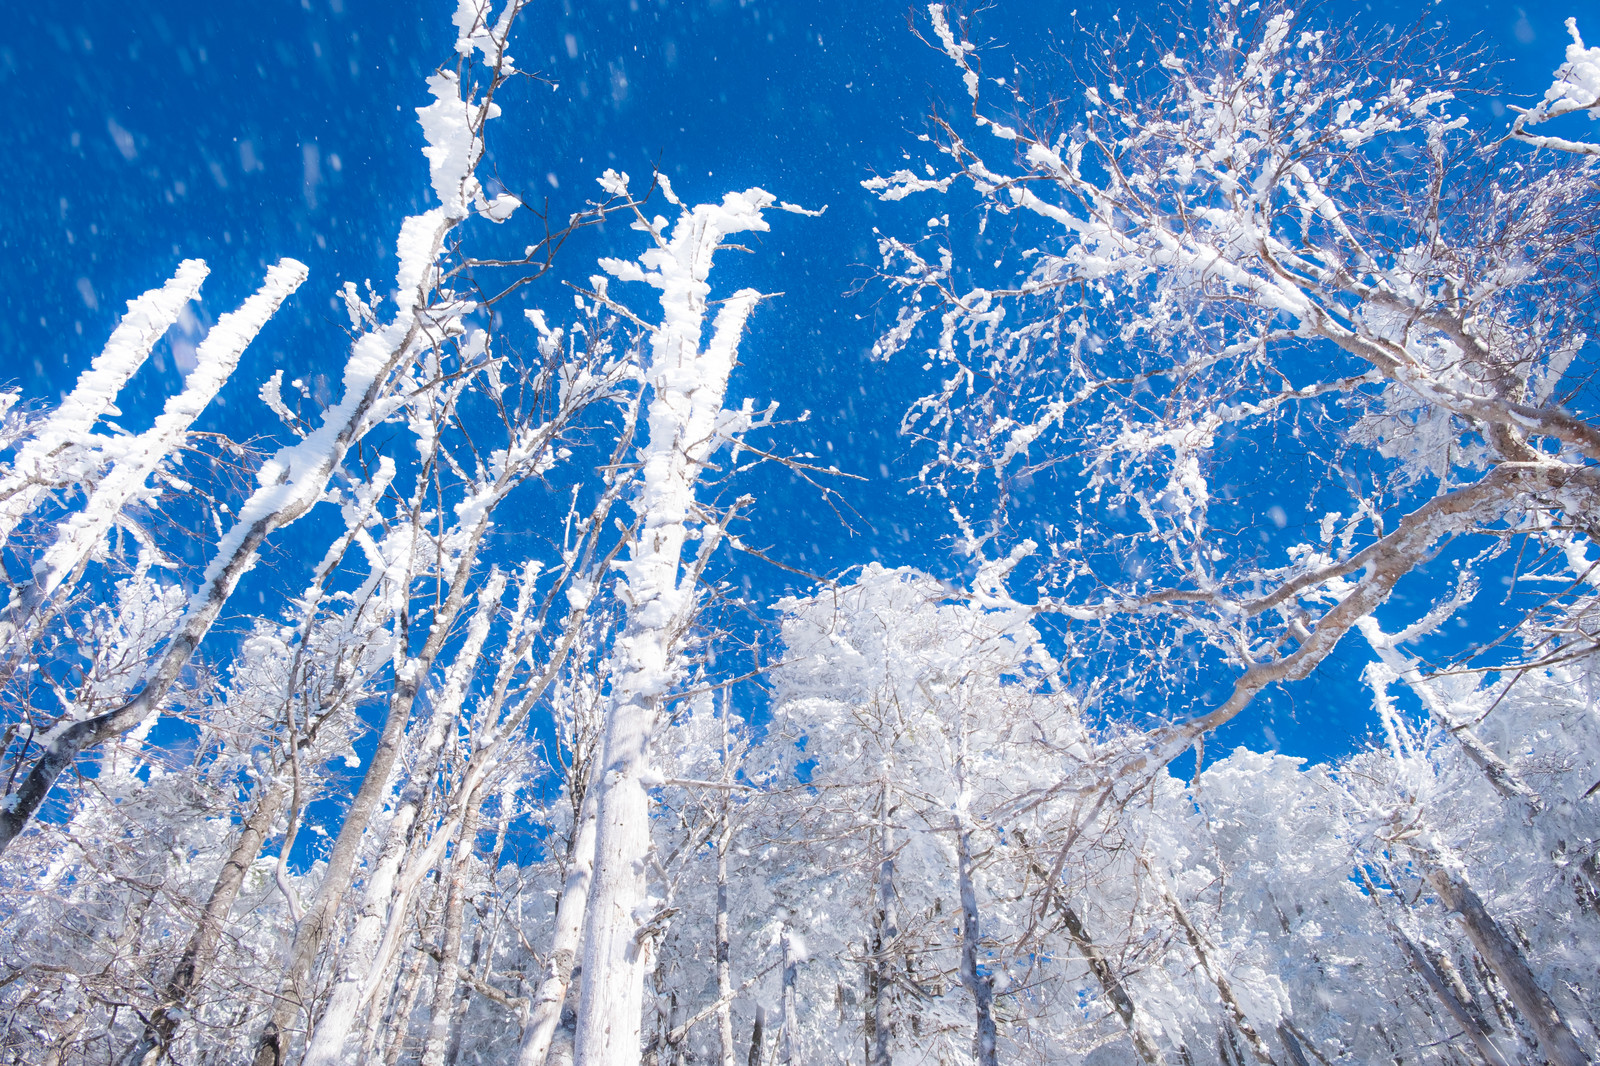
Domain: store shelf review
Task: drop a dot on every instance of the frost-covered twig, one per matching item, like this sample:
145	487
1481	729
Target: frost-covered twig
1576	88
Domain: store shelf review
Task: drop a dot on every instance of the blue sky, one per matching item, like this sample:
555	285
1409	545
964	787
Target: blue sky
137	134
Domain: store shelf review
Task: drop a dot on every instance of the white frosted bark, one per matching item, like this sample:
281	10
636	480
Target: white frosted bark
211	927
296	478
1499	773
980	986
410	985
448	979
545	1013
384	904
148	317
134	458
467	538
683	417
289	485
724	946
1219	979
886	931
1453	1004
1103	969
791	1020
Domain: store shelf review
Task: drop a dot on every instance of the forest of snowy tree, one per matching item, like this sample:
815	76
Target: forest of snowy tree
517	773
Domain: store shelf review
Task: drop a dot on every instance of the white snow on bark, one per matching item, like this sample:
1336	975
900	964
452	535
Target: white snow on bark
134	459
37	467
384	903
1577	83
688	385
1576	88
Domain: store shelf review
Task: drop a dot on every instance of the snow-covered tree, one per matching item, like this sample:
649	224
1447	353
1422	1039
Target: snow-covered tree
1269	237
685	424
482	785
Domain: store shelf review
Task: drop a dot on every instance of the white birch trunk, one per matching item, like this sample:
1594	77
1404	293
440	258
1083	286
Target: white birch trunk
791	1023
1453	1004
564	1048
360	967
448	979
1116	992
688	388
980	986
1219	979
410	987
886	933
295	479
724	947
1507	962
209	930
290	484
545	1013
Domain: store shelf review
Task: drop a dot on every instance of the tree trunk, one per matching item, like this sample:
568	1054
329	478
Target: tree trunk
448	977
1292	1044
980	986
688	385
548	1001
1505	959
611	1009
724	948
272	1046
477	980
791	1023
564	1045
269	508
1099	965
375	786
357	969
410	986
885	932
197	954
757	1036
386	899
145	322
1258	1047
1452	1003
